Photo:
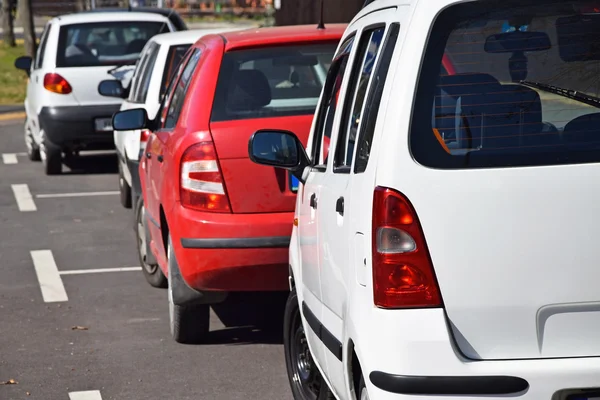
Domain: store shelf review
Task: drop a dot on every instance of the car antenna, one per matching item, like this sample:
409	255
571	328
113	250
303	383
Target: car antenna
321	23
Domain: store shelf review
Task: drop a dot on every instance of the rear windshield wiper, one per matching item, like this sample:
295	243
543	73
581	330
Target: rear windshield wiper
571	94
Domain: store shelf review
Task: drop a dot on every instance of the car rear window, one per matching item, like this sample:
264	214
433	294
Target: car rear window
174	57
507	85
271	81
105	43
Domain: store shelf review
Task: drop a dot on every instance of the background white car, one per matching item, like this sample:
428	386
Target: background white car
65	112
158	62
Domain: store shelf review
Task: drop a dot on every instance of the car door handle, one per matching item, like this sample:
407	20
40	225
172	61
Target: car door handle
339	206
159	158
313	201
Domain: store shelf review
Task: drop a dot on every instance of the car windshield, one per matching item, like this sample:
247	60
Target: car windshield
271	81
105	43
518	86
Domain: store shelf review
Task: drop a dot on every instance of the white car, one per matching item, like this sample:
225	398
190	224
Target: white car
65	112
158	62
444	245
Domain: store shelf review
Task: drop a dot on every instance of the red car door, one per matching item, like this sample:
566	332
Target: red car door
158	151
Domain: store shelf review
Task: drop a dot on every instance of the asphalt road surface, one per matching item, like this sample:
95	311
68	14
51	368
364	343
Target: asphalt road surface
79	322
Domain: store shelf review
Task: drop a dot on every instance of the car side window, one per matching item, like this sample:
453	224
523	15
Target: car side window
39	59
144	85
180	90
373	101
328	106
138	74
362	71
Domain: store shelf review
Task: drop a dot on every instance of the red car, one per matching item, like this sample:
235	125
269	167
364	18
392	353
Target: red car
216	221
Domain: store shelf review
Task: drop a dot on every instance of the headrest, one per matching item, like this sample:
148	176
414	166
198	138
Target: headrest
249	90
585	128
460	84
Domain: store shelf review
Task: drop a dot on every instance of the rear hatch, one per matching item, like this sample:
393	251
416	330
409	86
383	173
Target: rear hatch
88	51
264	88
507	192
253	188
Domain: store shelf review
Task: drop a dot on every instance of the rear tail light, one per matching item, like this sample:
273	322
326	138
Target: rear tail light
57	84
144	135
202	186
403	275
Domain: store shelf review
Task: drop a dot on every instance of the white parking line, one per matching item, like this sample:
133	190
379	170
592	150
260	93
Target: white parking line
23	197
81	194
87	395
48	276
99	270
9	158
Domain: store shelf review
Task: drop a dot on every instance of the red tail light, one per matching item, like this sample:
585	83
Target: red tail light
403	275
144	135
202	186
57	84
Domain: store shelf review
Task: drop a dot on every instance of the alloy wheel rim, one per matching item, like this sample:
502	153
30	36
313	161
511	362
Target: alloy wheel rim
142	243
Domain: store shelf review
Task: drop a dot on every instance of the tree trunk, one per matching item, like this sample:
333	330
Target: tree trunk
8	26
80	5
26	15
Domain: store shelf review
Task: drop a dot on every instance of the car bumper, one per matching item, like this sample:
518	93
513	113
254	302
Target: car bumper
134	170
409	354
232	252
74	126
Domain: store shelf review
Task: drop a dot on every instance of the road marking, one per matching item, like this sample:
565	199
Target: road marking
12	115
48	276
23	197
98	270
81	194
87	395
9	158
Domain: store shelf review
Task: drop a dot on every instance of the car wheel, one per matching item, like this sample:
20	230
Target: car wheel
362	390
189	324
304	376
152	272
51	156
124	189
33	151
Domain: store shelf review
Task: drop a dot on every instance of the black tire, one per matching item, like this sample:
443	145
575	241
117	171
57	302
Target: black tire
152	272
305	378
124	189
362	390
189	324
33	151
51	156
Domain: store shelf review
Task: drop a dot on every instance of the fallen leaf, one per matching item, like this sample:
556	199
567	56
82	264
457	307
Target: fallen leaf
79	328
9	382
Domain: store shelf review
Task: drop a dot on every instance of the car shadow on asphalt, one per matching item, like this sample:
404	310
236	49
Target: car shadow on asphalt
92	164
250	318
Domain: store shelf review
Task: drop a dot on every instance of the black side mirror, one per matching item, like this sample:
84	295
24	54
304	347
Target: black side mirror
130	120
111	88
280	149
24	64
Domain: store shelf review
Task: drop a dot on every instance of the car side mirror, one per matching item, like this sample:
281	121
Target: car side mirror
111	88
130	120
280	149
24	64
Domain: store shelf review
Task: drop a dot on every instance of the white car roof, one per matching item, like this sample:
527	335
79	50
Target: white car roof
189	36
82	18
